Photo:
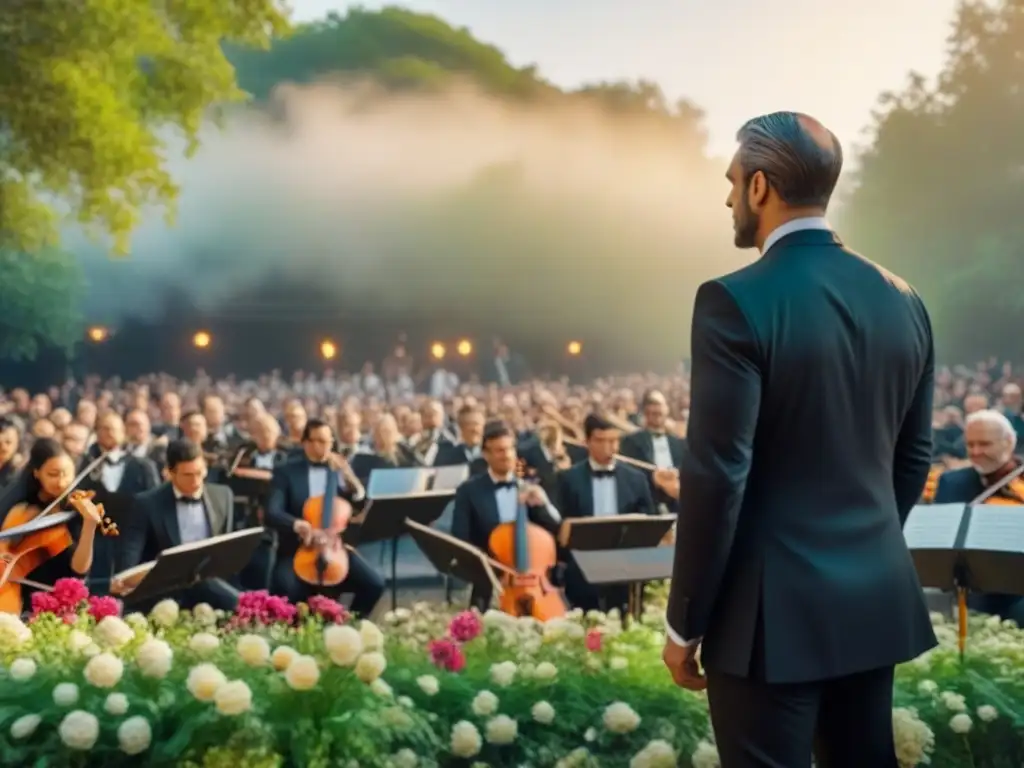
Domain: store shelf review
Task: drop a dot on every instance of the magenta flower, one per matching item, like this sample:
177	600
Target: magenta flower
101	607
593	640
331	611
446	654
465	626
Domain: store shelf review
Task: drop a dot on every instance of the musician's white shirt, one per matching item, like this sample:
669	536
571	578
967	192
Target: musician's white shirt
263	460
192	521
604	491
662	452
318	483
507	498
112	471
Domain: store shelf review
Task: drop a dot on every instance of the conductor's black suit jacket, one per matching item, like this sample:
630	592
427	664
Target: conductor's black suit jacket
809	441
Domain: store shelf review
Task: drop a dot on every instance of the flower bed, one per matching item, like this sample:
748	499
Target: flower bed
282	685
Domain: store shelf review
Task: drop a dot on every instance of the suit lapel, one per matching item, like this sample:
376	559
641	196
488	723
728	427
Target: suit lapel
169	515
648	446
586	489
676	447
621	491
301	484
215	516
487	505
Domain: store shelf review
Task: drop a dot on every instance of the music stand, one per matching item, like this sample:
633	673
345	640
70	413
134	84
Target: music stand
397	495
246	486
456	558
186	565
615	532
632	567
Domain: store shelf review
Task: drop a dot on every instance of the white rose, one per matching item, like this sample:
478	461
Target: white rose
282	657
13	631
22	670
503	674
381	688
465	741
155	658
485	703
543	713
620	718
302	674
204	615
343	643
254	650
233	698
545	671
104	670
657	754
65	694
590	735
113	632
927	687
618	663
705	756
987	713
502	730
204	680
134	735
116	704
92	650
165	613
913	738
137	621
954	702
370	666
203	643
372	637
79	730
428	684
78	641
961	723
405	758
24	726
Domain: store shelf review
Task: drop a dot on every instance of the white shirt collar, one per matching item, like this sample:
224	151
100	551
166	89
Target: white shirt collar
179	496
509	478
794	225
599	468
115	455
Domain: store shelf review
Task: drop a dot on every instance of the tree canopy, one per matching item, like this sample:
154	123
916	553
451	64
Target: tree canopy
41	300
939	192
85	88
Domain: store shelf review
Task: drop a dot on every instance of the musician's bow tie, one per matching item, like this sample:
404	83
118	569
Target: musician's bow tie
318	464
656	433
601	473
189	501
114	462
499	484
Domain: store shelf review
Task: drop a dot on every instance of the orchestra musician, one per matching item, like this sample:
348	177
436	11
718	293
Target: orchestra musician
184	510
47	475
350	433
990	440
653	444
10	442
293	484
194	428
140	441
470	420
389	452
295	418
600	487
222	434
545	455
120	472
491	498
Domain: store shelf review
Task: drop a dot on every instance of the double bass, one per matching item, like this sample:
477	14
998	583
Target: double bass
528	553
324	561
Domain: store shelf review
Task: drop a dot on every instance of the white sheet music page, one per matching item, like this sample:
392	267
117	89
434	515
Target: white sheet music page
996	528
933	526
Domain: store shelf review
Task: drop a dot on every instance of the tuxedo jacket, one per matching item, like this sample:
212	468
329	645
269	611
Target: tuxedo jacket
454	454
640	445
475	515
809	442
576	491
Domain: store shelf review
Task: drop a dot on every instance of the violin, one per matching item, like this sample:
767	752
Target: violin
324	561
529	552
32	536
1007	492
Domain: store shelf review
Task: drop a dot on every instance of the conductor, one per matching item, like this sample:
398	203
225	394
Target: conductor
809	443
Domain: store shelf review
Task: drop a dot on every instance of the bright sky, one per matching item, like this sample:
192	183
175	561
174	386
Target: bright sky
734	58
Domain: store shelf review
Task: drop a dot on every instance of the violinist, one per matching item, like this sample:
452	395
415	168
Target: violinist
487	500
67	551
293	484
990	440
388	450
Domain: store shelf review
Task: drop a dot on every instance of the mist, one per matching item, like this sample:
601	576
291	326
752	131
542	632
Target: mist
537	222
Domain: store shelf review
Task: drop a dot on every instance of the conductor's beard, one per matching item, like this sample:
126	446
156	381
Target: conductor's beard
745	224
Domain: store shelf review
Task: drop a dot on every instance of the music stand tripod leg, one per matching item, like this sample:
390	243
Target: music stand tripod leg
394	574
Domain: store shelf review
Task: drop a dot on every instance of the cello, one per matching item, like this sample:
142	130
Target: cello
529	552
323	562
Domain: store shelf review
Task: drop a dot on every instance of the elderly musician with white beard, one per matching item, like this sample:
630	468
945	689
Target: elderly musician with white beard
990	440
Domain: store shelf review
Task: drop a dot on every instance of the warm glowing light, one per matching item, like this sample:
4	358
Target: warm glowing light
98	334
437	350
328	350
465	348
574	348
201	340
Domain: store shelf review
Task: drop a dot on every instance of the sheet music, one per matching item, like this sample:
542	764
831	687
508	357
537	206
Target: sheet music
933	526
997	528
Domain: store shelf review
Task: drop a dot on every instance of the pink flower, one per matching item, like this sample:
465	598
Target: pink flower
70	593
101	607
262	608
44	602
593	640
331	611
465	626
446	654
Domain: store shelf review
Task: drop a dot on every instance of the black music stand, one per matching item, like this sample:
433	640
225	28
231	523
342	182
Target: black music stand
456	558
185	566
397	495
632	567
248	487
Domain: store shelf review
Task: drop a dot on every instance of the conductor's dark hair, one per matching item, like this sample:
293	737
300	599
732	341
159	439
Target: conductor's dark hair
594	423
311	426
181	452
802	172
495	430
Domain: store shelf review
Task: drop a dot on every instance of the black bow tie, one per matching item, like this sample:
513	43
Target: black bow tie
657	434
602	473
498	485
189	501
114	462
318	464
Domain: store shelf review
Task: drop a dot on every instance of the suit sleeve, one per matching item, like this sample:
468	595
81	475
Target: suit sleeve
913	457
278	516
151	477
229	509
563	491
725	402
462	514
131	543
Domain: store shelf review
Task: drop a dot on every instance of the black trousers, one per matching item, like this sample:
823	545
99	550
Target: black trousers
365	584
845	722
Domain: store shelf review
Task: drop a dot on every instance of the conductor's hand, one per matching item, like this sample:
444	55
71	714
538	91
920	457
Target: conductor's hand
304	531
682	663
668	481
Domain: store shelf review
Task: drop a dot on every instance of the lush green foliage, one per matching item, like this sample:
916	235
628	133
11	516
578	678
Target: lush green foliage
84	88
940	187
201	690
41	298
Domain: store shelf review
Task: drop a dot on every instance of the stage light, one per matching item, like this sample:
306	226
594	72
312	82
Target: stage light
98	334
202	340
574	348
437	350
328	350
465	348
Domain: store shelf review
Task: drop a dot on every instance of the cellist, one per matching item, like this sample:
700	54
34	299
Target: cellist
492	498
68	551
990	440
